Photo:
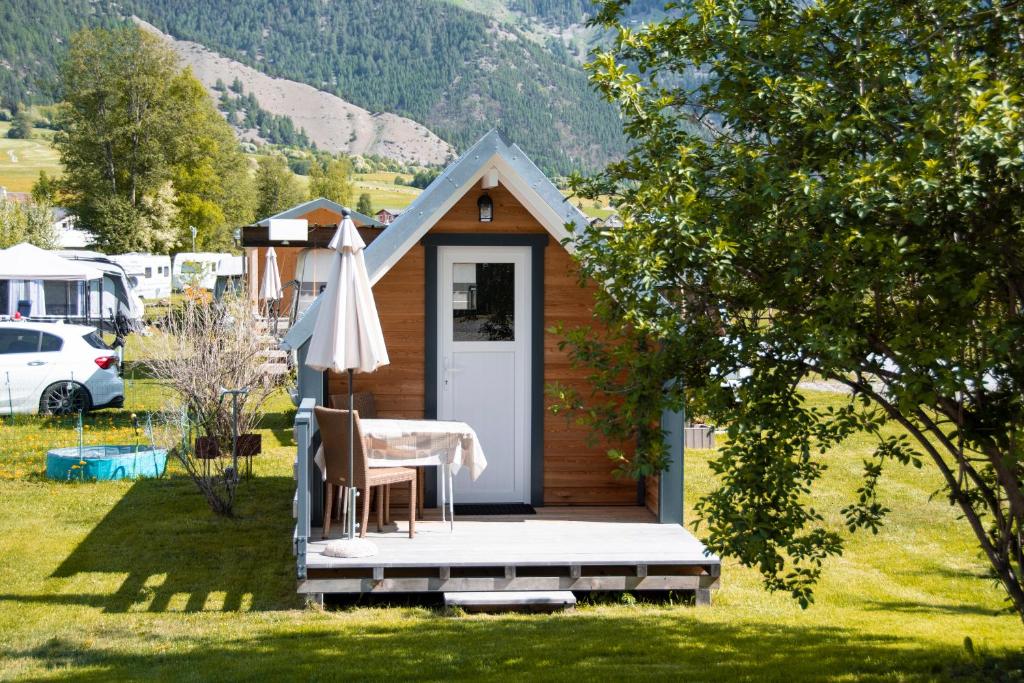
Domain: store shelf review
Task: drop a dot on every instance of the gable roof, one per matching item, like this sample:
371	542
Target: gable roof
493	152
320	203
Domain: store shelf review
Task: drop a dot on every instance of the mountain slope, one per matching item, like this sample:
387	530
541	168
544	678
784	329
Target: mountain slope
457	72
330	122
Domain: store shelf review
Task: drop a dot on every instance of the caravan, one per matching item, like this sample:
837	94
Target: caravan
117	301
200	269
72	286
148	274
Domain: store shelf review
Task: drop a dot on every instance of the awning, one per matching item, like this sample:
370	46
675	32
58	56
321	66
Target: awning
27	262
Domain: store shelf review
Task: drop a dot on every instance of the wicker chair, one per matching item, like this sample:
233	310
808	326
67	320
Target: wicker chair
334	434
362	402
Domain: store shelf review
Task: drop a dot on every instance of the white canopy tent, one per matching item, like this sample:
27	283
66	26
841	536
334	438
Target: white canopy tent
27	262
28	267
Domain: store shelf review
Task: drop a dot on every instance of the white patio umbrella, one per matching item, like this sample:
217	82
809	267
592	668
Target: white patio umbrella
271	290
347	336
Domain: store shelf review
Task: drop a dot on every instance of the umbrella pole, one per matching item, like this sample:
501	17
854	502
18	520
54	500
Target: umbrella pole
353	493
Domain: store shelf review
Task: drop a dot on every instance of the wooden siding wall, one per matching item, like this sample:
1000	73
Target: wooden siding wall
651	493
575	472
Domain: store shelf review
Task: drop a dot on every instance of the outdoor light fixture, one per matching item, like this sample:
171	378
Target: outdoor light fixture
486	207
238	237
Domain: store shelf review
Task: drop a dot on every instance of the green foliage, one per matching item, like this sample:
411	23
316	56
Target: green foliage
331	179
838	195
565	12
424	177
32	223
45	190
277	188
31	44
365	204
215	192
144	151
21	125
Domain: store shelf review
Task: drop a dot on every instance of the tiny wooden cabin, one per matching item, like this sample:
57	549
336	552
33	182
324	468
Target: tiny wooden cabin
468	281
301	263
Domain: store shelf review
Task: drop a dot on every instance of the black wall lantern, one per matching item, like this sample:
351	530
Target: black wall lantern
486	207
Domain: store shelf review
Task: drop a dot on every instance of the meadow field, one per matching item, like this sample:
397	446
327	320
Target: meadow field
139	580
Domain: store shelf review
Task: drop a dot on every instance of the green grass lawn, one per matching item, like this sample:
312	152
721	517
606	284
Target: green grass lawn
22	160
132	580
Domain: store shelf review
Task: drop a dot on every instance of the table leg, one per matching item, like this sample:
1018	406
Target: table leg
419	491
451	498
444	498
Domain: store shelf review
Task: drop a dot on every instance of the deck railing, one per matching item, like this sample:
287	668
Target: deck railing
305	426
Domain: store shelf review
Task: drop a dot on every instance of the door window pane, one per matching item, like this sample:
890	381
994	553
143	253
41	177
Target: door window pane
483	301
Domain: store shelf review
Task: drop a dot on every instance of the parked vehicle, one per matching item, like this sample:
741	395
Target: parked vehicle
200	269
56	368
230	277
121	308
148	274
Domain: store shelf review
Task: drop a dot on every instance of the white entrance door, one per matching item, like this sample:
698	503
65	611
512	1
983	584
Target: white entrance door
484	364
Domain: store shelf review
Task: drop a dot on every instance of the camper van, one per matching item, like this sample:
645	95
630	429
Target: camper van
149	274
200	269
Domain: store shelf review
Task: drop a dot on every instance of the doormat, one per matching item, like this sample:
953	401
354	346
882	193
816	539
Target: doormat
469	509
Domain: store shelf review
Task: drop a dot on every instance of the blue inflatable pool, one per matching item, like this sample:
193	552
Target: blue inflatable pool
105	463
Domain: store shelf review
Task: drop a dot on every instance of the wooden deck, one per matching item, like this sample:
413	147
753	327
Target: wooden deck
559	548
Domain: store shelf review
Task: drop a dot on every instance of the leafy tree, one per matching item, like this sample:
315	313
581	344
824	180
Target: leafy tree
45	190
299	165
277	188
120	121
838	196
145	153
331	179
365	205
214	189
32	223
21	125
423	178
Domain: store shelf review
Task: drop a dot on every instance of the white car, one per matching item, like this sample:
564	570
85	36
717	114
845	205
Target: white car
56	368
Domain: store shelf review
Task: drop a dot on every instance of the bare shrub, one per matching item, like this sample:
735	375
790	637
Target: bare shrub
205	347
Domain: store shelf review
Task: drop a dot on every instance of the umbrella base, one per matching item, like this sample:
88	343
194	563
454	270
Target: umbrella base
350	547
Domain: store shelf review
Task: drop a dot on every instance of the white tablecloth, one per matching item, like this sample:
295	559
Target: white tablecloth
412	443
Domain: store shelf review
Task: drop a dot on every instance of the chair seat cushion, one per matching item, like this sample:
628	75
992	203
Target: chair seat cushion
378	476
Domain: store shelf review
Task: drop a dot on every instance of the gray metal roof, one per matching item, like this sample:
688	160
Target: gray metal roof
321	203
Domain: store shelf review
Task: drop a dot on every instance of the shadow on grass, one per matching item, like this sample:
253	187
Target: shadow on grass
911	607
660	646
169	545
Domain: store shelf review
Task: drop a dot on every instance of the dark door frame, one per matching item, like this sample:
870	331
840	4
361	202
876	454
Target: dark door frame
537	244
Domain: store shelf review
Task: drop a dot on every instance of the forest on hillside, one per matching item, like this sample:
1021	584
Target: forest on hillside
456	71
565	12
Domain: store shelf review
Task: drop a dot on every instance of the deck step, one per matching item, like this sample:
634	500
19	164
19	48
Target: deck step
509	601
